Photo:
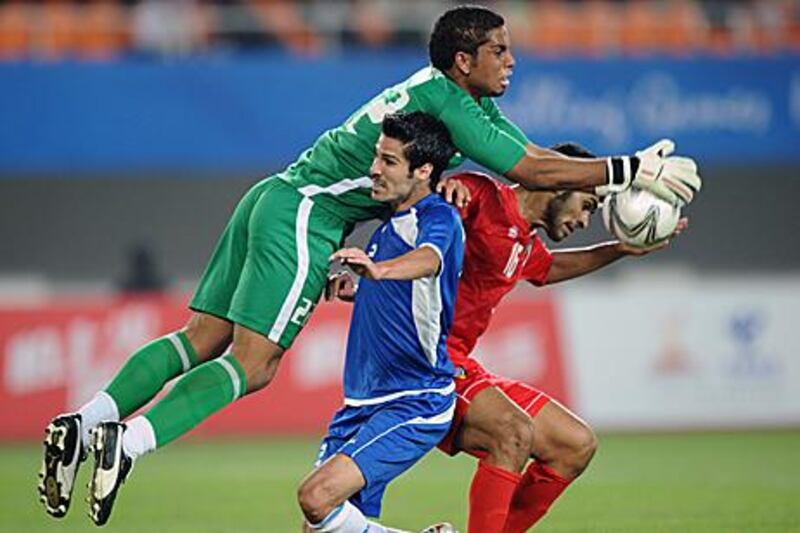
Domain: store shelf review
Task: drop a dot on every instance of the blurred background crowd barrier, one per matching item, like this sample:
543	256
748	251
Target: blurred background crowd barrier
128	131
104	29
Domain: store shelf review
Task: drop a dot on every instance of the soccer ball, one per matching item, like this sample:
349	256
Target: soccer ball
639	218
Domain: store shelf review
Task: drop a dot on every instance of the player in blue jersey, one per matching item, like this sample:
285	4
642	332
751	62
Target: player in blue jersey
398	379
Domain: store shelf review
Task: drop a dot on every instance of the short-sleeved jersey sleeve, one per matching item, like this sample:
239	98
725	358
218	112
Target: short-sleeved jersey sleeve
478	185
538	264
477	137
438	227
499	119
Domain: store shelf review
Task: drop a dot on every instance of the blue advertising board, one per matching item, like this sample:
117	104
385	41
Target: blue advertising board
253	113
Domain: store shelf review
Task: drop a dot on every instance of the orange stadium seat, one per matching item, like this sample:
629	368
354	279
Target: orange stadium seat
599	31
14	31
792	11
519	18
640	28
549	34
687	27
720	41
283	19
103	31
56	37
774	22
691	31
793	35
371	23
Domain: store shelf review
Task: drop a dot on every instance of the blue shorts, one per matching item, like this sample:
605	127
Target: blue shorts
386	439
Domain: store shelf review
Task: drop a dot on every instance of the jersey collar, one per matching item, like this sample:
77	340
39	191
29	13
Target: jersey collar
422	202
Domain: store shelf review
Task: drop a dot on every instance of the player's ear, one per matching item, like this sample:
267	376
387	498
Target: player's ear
463	62
423	172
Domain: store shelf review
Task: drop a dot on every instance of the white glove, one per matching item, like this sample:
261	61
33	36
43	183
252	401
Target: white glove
671	178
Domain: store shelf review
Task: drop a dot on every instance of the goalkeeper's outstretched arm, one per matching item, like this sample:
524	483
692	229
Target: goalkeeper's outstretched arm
671	178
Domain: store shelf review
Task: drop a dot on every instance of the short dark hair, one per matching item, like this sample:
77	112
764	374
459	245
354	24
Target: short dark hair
461	29
425	139
572	149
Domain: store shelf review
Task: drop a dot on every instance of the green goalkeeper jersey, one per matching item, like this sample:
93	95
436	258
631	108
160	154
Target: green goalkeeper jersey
335	170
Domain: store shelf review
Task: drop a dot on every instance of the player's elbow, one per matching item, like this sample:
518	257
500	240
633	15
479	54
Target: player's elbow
549	280
431	262
434	268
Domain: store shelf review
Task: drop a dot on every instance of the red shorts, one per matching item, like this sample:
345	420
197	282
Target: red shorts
477	379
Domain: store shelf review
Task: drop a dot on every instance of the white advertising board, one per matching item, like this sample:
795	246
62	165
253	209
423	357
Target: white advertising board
682	353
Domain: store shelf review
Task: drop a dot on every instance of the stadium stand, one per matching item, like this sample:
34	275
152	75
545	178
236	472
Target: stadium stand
103	29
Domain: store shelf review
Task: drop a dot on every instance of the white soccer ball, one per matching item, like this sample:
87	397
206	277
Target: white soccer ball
639	218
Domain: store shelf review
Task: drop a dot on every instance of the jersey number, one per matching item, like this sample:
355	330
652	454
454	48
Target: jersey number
390	101
302	312
513	260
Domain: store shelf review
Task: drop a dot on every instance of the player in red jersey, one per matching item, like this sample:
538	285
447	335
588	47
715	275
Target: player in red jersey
504	422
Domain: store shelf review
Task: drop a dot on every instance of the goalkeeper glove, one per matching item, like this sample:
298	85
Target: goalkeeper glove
673	179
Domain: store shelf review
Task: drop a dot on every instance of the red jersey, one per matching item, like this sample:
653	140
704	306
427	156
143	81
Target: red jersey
500	250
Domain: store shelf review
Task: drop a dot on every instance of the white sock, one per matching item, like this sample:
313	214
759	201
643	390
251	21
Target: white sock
139	437
101	408
347	519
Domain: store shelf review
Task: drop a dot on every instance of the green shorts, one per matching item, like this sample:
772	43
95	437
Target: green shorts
271	264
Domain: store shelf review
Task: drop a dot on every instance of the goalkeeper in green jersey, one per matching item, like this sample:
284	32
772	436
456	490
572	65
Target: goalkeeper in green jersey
270	265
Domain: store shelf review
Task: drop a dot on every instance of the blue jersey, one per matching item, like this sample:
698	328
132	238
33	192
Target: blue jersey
397	341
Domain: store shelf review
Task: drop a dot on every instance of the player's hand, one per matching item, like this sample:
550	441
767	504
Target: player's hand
340	285
671	178
627	249
454	192
359	262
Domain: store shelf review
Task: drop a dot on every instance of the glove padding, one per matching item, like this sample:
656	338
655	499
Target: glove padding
671	178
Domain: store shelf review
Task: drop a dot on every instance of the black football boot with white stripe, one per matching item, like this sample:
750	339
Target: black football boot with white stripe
63	454
111	469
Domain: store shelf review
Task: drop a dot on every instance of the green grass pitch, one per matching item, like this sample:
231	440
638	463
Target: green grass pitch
693	482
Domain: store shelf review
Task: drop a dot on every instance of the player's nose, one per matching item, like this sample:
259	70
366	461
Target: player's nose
374	170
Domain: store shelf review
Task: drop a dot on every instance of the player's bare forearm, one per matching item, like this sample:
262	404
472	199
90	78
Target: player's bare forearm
539	151
577	262
416	264
557	172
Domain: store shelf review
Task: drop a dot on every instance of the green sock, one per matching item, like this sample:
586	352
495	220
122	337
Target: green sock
148	370
196	396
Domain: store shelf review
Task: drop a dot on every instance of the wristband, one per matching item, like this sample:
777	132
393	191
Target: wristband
620	171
